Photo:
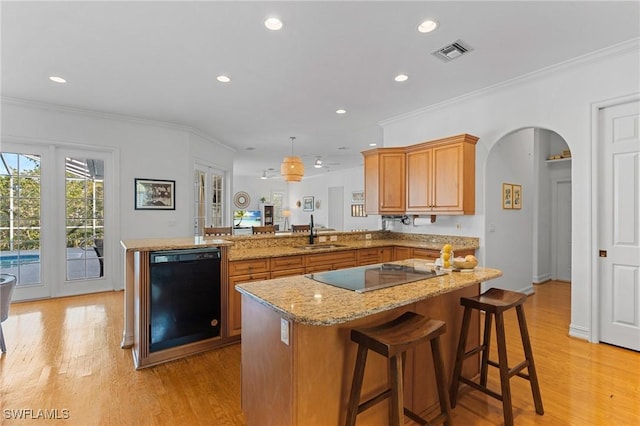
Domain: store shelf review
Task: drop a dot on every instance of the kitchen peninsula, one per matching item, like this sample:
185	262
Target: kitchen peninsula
261	257
297	357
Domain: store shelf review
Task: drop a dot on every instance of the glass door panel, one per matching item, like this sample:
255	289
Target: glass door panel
84	230
20	222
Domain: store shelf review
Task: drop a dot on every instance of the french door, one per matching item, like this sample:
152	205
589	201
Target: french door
54	216
210	193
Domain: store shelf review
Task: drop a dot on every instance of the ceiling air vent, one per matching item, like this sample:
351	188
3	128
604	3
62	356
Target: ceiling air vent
452	51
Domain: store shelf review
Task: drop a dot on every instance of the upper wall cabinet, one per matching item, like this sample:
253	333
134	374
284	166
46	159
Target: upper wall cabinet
441	176
384	180
435	177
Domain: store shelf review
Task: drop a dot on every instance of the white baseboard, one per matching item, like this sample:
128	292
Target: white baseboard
579	332
527	290
542	278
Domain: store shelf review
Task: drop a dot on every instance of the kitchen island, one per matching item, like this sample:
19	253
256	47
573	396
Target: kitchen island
298	360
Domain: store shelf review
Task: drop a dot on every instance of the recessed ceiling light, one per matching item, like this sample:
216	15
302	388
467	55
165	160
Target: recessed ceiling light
401	77
223	79
274	24
341	111
427	26
373	144
57	79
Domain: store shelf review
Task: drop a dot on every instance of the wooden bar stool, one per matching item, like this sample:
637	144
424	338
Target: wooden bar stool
494	302
392	340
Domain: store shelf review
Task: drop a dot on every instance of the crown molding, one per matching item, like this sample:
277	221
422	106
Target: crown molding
632	45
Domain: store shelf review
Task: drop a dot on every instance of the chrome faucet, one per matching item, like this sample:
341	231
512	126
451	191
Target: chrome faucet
311	231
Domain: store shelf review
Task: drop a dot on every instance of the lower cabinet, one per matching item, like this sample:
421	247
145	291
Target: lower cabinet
402	253
369	256
287	266
330	261
242	271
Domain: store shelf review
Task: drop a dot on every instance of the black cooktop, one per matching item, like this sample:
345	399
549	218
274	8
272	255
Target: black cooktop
367	278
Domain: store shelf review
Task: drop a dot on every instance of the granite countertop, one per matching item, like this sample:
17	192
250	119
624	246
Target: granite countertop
285	245
278	251
151	244
307	301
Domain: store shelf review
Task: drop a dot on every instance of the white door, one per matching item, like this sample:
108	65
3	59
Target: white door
619	224
562	256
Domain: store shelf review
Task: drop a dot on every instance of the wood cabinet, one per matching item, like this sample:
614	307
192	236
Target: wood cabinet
402	253
287	266
441	176
330	261
242	271
384	180
369	256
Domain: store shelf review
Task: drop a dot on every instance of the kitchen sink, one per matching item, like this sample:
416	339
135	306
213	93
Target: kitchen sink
319	246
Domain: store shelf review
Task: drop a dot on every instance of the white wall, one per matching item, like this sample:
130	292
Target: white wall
558	99
145	149
508	243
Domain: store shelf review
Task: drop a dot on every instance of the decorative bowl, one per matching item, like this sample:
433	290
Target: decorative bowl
461	263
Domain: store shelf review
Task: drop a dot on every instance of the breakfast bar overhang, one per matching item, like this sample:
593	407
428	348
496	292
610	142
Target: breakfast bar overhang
298	359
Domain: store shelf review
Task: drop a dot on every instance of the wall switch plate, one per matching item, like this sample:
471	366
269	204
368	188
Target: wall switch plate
322	239
333	238
367	236
284	331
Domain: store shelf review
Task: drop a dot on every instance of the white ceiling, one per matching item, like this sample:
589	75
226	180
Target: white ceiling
159	60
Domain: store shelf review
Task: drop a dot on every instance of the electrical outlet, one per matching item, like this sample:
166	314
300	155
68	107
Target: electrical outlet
322	239
333	238
458	226
367	236
284	331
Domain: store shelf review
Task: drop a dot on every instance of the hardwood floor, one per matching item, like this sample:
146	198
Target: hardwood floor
63	359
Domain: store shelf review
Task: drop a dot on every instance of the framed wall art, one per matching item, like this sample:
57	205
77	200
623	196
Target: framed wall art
153	194
507	196
517	196
307	204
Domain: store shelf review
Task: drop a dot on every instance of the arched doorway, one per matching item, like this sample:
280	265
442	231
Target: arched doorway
530	243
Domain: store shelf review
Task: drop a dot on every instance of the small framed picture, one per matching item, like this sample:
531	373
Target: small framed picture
357	197
507	196
517	196
307	204
152	194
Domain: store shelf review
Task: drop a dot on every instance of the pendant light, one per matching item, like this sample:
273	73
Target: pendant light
292	168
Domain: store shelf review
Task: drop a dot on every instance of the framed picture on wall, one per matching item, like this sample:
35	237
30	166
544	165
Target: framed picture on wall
152	194
307	204
517	196
507	196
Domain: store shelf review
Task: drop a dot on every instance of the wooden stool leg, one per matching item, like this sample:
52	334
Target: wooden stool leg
486	343
457	369
441	381
528	353
356	386
504	370
396	408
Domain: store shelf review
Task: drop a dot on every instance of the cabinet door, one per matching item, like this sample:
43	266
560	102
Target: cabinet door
384	180
402	253
419	180
234	315
447	178
392	182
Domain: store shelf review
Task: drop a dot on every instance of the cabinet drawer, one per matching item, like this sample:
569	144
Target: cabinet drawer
250	266
347	256
286	262
287	273
419	253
